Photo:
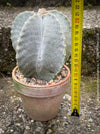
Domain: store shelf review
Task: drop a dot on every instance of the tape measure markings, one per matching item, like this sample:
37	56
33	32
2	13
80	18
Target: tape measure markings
77	20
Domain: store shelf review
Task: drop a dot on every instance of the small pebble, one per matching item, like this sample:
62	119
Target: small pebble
32	82
4	112
33	79
39	81
63	73
27	127
38	129
17	124
90	120
65	117
19	110
32	121
49	131
11	130
19	116
88	125
51	81
59	77
22	76
1	131
65	124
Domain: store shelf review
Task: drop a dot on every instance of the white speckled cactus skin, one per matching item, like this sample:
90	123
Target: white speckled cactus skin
17	26
66	28
42	44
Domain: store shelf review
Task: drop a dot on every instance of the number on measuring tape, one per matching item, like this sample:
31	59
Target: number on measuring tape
77	20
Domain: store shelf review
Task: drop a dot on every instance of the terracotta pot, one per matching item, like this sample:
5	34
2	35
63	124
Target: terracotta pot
41	102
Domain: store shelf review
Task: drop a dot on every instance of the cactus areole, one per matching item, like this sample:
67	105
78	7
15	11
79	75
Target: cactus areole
42	42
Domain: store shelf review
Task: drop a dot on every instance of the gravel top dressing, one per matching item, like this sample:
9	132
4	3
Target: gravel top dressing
32	81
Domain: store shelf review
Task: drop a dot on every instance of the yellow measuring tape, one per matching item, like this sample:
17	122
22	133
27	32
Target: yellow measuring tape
76	47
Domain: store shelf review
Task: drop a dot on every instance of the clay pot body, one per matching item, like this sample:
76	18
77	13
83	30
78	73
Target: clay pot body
41	102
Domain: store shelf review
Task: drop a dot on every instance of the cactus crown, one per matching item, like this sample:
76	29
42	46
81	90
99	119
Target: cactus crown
42	42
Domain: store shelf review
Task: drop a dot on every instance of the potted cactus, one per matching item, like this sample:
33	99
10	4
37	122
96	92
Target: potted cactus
42	42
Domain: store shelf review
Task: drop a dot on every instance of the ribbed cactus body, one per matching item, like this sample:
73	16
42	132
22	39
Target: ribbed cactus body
66	28
42	43
17	26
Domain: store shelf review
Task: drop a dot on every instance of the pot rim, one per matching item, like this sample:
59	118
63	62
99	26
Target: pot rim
41	86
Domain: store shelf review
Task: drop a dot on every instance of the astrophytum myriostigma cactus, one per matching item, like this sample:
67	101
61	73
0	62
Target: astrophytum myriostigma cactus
42	41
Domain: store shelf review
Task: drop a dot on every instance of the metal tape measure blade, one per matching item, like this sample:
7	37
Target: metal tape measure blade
77	21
